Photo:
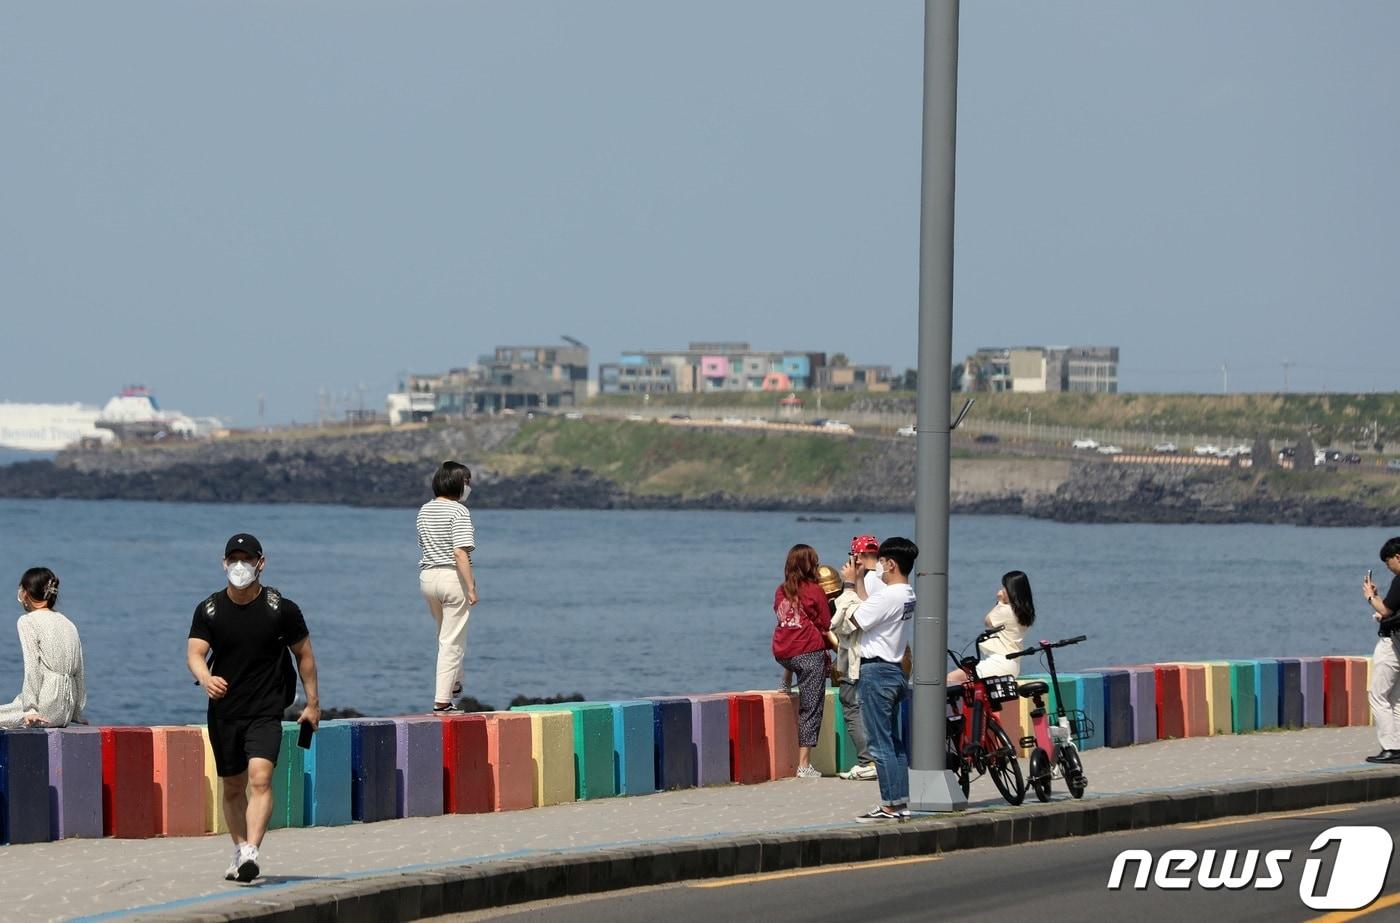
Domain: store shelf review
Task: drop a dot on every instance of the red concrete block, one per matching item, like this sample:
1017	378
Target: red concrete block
780	713
128	797
1196	709
1336	709
1358	704
1171	702
487	763
748	740
179	789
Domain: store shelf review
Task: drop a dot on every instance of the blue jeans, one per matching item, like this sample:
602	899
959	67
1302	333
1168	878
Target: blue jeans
881	688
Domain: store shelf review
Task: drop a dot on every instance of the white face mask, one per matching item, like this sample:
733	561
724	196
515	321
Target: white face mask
241	574
466	492
880	569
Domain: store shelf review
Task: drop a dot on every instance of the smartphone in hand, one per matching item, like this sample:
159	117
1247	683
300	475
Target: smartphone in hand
304	738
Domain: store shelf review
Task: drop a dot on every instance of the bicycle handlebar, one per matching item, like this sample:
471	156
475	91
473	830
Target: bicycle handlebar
1047	645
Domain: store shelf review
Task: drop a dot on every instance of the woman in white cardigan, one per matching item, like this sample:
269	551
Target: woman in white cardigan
1013	614
54	692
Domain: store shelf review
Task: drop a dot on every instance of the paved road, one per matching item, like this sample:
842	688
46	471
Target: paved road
1064	880
105	876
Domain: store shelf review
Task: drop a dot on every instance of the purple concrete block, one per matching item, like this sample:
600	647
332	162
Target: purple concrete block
75	782
1312	686
709	735
418	767
1143	695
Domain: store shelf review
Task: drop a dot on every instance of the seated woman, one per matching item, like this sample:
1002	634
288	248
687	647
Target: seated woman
1013	614
54	693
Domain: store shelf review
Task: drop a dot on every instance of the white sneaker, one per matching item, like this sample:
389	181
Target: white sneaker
248	863
862	772
231	873
808	772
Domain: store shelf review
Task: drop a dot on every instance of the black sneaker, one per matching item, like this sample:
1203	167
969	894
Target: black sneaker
877	814
447	710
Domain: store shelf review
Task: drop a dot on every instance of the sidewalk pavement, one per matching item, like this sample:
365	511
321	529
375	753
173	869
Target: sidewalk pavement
113	879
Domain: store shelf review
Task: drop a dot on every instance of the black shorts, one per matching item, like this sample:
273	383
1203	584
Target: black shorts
235	741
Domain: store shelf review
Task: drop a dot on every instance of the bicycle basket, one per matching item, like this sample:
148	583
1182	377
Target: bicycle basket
1001	688
1080	727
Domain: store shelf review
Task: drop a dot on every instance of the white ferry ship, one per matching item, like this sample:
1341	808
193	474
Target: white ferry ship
132	415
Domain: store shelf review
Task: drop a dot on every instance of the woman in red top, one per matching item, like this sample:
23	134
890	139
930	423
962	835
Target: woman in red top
800	643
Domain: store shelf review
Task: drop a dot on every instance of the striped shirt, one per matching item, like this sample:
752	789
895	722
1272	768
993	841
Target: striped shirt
442	526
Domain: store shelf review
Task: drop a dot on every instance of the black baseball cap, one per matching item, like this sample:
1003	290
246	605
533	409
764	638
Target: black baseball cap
245	543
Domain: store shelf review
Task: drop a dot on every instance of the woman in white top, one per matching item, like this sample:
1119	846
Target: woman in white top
1013	614
54	692
445	575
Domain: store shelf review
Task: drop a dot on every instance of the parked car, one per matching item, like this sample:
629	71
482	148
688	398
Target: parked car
680	416
1332	455
1393	466
635	417
1165	448
1351	459
1206	449
1083	444
573	415
1110	450
986	438
732	421
836	426
905	430
1287	451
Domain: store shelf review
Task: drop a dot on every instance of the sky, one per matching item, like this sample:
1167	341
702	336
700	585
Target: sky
235	201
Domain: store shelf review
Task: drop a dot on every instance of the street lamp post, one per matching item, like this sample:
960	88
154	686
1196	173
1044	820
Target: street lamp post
932	787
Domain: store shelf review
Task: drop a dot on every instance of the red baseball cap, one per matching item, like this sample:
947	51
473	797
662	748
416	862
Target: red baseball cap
865	544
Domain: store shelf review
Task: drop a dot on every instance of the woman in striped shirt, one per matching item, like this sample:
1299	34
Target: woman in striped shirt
445	575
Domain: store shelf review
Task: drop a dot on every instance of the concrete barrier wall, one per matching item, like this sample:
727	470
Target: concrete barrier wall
141	782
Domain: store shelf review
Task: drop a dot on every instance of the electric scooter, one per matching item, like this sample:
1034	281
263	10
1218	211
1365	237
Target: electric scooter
1053	751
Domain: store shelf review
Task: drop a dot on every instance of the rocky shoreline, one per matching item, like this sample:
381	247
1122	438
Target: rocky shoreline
392	468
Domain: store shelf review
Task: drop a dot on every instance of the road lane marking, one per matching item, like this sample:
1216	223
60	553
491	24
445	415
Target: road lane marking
823	870
1261	818
1340	916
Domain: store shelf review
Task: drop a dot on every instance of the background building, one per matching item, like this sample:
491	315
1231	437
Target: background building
1034	369
511	378
709	367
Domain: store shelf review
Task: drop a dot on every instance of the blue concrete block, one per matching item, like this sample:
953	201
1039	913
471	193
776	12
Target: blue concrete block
671	725
24	787
709	738
418	767
1084	692
75	782
1312	688
1290	693
1117	708
328	776
634	747
1266	694
373	758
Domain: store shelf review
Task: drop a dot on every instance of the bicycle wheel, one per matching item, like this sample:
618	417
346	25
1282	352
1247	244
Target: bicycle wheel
1039	772
1074	772
1005	769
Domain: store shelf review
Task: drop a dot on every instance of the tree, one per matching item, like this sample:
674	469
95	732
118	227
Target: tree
839	361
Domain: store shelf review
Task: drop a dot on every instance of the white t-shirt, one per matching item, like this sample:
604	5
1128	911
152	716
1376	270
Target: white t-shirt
885	619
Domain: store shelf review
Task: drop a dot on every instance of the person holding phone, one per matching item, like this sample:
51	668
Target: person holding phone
801	637
238	651
1385	662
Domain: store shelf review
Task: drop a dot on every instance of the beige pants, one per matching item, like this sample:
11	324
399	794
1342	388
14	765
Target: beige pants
1385	693
442	587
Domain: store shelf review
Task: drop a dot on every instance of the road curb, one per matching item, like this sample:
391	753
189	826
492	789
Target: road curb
420	894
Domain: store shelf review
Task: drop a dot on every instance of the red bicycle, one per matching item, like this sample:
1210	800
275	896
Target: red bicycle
976	742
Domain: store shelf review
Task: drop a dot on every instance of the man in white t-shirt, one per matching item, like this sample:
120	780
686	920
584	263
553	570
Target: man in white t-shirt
886	619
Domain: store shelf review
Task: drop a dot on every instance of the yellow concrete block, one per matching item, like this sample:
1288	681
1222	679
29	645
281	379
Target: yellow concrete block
824	753
1219	717
213	790
552	753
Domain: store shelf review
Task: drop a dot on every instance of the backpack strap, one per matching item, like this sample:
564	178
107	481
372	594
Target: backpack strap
274	597
211	605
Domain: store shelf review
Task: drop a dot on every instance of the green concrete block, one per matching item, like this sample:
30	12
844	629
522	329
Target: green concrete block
288	781
1242	707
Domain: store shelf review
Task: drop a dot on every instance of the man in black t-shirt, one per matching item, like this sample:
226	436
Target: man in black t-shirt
250	681
1385	663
